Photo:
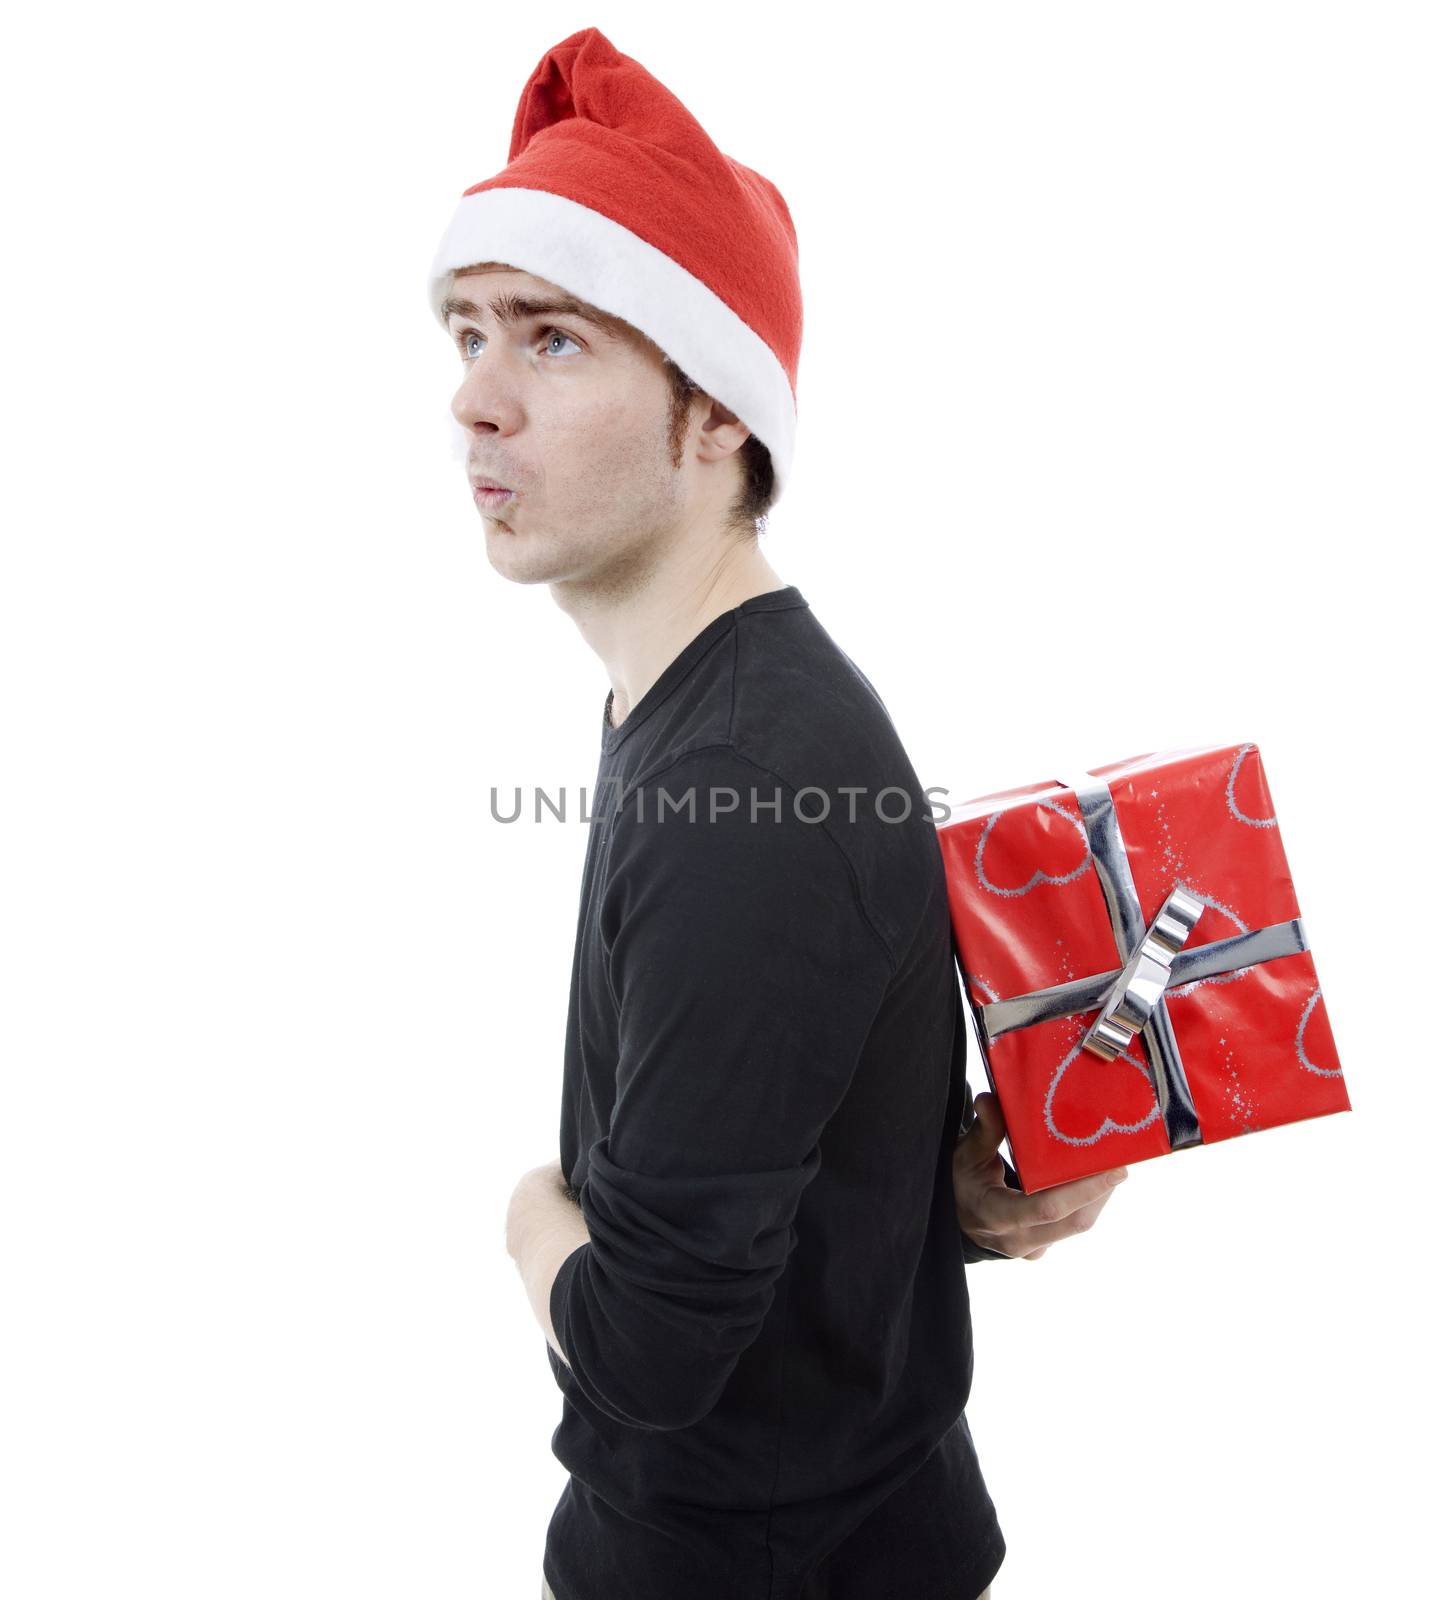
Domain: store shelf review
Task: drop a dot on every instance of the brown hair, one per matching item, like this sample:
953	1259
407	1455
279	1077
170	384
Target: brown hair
747	514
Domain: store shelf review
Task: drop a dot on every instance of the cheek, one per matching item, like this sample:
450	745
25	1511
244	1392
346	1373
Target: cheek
619	440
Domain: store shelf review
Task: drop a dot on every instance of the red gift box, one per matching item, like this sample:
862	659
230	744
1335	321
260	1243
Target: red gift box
1135	962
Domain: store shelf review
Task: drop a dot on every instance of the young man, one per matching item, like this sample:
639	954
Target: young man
749	1261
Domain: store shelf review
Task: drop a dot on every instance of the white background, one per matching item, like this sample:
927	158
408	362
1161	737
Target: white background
1115	436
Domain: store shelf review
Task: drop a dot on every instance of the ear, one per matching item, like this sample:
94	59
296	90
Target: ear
720	432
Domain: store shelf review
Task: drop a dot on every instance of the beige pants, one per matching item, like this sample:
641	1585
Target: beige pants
548	1594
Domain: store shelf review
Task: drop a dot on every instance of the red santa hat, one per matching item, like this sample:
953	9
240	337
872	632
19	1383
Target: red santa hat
613	192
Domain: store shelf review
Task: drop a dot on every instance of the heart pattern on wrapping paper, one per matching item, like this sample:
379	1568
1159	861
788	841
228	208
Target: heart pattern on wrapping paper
1086	1087
980	984
1216	922
1250	813
1300	1055
1064	849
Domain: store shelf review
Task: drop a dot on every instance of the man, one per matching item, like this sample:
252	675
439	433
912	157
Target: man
749	1261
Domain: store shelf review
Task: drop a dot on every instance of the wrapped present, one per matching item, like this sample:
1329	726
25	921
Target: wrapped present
1135	962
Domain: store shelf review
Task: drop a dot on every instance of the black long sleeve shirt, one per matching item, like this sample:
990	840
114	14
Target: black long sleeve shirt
769	1332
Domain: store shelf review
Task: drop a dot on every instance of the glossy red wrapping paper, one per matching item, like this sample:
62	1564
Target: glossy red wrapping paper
1028	912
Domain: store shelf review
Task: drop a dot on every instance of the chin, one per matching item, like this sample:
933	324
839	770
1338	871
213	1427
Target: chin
519	571
518	565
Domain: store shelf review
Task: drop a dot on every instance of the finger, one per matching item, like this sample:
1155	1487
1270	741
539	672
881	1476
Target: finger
1045	1234
1030	1244
1025	1232
983	1137
989	1114
1010	1208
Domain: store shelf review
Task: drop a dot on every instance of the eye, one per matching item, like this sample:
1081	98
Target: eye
467	348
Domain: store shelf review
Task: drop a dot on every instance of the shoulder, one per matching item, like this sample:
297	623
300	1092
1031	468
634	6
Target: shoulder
780	726
710	829
804	711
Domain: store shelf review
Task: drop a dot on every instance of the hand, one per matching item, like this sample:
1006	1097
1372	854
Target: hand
545	1180
1000	1218
549	1175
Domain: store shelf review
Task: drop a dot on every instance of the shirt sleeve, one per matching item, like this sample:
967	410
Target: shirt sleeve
746	977
970	1251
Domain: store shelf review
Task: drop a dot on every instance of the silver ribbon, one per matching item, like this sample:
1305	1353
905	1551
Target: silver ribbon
1153	961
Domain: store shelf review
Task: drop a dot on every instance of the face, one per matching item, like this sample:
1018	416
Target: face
572	417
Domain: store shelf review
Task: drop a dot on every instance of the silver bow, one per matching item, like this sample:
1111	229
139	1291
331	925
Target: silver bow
1144	978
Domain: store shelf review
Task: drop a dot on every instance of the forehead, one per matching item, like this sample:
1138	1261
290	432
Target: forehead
471	281
494	291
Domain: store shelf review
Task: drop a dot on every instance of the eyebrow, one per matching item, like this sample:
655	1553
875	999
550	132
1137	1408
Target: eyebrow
508	309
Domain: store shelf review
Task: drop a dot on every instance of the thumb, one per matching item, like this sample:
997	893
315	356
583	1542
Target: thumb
983	1137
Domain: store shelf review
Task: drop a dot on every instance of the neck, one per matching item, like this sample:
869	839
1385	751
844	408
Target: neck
638	630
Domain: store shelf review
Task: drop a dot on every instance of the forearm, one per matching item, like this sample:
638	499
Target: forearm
545	1226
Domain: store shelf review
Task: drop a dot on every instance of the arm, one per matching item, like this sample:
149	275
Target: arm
545	1226
746	978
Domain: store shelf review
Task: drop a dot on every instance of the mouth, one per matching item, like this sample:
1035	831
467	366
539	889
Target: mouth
488	492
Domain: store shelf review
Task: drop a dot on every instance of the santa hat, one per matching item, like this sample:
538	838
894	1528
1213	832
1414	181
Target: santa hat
613	192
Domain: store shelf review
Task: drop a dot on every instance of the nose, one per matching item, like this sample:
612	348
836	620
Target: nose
487	400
